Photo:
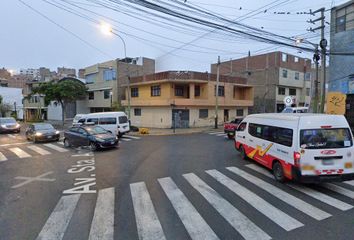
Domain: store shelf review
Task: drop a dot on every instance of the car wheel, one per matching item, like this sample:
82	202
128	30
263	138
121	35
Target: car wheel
278	172
66	143
93	146
243	153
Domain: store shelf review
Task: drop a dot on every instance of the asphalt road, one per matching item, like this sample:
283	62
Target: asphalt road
160	187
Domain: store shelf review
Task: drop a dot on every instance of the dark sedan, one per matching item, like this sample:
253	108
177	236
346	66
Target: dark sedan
9	125
41	132
93	136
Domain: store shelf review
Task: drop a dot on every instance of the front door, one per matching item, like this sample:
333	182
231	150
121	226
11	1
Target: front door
226	115
180	118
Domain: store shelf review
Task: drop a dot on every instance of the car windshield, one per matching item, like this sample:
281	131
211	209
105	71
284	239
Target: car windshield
7	120
96	130
325	138
43	127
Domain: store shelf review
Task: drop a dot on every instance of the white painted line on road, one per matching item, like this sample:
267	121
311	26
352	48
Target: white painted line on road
2	157
58	221
19	152
274	214
60	143
289	199
125	139
11	136
233	216
38	150
32	179
308	191
102	225
338	189
221	135
196	226
351	183
11	144
57	148
147	222
130	136
213	133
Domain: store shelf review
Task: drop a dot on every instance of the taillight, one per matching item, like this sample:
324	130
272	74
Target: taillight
297	157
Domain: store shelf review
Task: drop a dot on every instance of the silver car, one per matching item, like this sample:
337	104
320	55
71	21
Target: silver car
9	125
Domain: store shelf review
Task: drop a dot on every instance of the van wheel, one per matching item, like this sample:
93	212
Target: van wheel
243	153
278	172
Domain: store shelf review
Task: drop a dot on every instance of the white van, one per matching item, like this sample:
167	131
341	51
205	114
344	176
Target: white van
304	147
116	122
77	118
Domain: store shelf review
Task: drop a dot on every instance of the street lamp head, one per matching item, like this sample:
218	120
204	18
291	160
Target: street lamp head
106	29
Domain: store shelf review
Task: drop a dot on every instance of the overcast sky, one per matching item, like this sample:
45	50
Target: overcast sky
28	40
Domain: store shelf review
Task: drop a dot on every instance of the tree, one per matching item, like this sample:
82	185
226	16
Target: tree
63	92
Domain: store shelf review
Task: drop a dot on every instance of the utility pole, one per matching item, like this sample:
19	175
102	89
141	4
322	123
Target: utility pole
217	92
316	59
323	45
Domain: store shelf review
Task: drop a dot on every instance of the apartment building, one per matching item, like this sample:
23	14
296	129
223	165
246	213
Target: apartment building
186	99
66	72
105	80
274	76
341	74
30	72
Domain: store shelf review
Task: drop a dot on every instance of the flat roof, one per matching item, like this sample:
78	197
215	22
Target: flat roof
288	116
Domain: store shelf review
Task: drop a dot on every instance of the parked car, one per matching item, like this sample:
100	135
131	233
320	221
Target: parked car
115	122
9	124
295	110
92	136
41	132
230	127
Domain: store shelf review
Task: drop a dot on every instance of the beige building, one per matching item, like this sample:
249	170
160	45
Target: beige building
105	80
186	98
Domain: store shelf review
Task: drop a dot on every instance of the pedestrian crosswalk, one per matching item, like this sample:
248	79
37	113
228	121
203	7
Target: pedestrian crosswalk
128	138
27	151
218	134
298	206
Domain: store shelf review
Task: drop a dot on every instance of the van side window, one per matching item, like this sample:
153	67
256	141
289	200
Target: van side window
242	127
108	120
94	120
82	120
283	136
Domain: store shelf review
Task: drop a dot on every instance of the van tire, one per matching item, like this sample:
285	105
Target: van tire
278	172
243	153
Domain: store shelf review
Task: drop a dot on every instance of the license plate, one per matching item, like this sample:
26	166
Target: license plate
231	133
328	162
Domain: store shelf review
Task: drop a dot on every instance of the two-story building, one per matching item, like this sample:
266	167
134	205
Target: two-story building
105	81
186	99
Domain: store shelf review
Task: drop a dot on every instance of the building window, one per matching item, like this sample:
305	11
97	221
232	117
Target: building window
179	91
307	92
297	75
106	94
203	113
137	111
197	91
292	91
239	112
281	91
134	92
307	76
284	57
91	95
90	78
296	59
285	73
340	24
221	91
155	91
109	75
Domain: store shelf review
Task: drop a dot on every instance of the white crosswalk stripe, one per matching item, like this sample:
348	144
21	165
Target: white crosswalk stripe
19	152
282	219
11	136
221	135
350	182
147	222
125	139
60	143
39	150
103	219
297	203
236	219
132	137
215	133
196	226
56	148
308	191
2	157
58	221
340	190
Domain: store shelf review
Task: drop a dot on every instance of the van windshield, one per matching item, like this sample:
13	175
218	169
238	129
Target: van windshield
325	138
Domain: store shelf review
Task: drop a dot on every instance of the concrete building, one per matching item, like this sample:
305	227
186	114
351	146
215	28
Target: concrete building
66	72
30	72
105	80
4	73
188	98
273	75
34	106
14	98
341	74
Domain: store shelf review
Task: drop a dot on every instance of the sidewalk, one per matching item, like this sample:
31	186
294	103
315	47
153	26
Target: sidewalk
178	131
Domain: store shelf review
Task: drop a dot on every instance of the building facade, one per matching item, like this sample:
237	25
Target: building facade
106	81
186	99
274	76
341	74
